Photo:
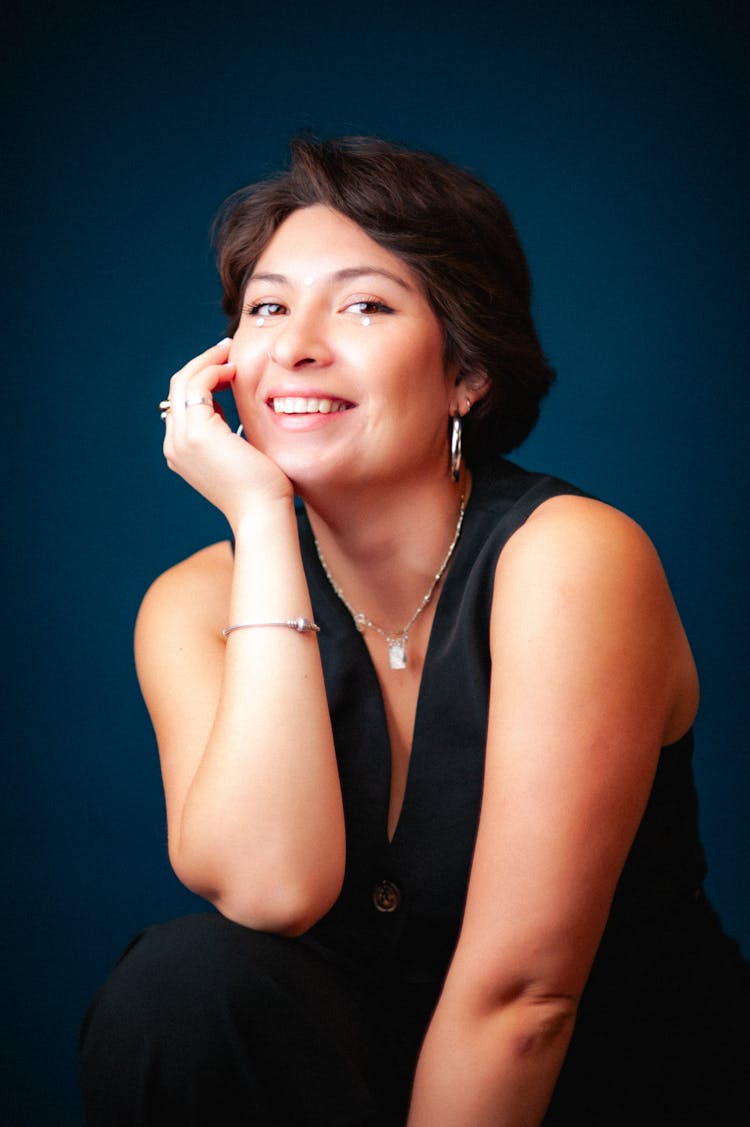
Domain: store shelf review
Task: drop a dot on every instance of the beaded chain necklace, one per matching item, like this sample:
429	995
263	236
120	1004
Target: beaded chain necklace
397	640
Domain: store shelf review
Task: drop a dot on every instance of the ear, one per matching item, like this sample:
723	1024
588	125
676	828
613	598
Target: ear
469	388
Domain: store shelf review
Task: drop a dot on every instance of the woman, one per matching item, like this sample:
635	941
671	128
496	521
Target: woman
425	739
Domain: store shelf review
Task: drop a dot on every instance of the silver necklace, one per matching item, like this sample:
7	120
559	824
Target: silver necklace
397	639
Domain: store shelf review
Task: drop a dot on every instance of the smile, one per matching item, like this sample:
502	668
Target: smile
300	405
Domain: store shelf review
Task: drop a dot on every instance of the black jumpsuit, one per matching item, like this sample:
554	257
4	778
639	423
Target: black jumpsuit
204	1022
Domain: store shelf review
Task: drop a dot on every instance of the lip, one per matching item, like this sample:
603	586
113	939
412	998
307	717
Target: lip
303	391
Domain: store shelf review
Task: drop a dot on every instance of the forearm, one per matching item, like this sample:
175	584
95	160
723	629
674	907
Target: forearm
261	829
494	1070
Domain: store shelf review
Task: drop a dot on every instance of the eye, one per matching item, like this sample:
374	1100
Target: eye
266	309
368	306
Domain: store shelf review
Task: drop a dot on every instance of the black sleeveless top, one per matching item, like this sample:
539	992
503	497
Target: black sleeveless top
401	905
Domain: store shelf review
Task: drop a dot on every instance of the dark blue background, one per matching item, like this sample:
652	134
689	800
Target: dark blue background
617	133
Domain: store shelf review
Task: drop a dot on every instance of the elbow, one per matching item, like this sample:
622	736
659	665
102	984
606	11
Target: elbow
280	899
287	908
540	1023
532	1019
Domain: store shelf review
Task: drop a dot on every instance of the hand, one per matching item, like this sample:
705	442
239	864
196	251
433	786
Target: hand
202	449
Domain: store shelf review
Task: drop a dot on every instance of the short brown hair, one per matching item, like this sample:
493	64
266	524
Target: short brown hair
455	234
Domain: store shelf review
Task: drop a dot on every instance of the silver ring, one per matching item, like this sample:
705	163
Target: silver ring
164	406
199	401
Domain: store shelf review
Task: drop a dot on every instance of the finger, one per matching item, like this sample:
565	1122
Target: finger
216	354
210	370
202	386
214	377
188	391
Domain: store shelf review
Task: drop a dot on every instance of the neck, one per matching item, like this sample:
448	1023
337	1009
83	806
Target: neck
382	553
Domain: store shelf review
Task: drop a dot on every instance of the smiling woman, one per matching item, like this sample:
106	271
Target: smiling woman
425	737
344	323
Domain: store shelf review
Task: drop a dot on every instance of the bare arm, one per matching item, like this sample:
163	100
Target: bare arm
254	809
591	676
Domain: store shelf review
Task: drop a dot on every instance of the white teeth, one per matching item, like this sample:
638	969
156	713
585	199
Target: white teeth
297	405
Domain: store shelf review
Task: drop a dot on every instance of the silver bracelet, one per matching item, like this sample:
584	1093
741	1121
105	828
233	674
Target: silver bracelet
301	625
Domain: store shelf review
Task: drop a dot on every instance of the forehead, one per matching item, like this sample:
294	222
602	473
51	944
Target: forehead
317	240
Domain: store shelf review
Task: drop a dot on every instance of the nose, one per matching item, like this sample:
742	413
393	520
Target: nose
301	342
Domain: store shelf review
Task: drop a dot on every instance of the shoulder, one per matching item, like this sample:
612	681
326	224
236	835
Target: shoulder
191	595
577	561
570	541
204	569
581	597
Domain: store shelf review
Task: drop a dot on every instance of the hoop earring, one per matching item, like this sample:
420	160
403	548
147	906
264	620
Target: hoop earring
456	428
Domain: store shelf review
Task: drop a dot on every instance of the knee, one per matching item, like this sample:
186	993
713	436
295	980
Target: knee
162	1035
202	1017
170	990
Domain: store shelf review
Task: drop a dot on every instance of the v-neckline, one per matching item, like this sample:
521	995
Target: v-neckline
389	841
384	813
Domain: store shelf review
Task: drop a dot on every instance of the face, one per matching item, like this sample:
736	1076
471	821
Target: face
340	369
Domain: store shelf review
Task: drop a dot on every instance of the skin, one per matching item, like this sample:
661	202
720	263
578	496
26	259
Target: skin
591	670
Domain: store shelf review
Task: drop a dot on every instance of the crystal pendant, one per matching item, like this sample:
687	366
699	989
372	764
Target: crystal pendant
397	652
360	622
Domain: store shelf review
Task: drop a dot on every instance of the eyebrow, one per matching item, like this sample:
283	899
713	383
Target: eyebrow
345	275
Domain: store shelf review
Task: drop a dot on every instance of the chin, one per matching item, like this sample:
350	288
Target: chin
308	477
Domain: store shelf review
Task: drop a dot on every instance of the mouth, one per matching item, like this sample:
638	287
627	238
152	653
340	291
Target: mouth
307	405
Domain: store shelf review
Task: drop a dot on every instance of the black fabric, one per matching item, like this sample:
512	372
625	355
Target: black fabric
662	1031
430	854
205	1023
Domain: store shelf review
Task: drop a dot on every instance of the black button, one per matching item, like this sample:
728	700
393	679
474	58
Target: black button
386	896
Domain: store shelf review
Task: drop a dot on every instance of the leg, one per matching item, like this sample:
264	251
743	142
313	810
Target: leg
204	1021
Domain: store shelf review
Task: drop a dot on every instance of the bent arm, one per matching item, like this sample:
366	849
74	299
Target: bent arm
591	676
254	811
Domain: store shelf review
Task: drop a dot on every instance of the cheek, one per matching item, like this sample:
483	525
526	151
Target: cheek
240	348
427	378
427	347
248	354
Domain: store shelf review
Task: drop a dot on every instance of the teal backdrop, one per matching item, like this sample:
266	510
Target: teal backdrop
618	135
